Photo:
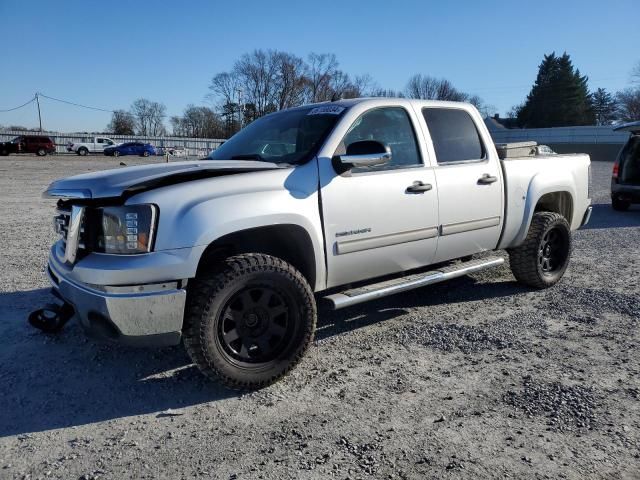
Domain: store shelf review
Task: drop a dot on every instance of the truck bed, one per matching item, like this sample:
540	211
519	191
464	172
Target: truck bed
530	177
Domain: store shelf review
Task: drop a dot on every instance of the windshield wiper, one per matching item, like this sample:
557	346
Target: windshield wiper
248	156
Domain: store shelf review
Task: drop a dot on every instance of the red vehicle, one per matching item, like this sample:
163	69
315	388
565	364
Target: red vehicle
38	144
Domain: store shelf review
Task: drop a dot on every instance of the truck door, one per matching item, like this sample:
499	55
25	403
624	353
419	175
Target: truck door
376	221
469	179
99	145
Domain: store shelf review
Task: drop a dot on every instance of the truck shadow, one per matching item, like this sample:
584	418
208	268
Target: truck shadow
463	289
49	382
603	216
66	380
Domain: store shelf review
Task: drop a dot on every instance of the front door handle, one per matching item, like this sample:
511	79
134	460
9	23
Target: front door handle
419	187
486	179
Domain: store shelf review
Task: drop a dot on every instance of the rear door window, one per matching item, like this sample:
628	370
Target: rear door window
454	135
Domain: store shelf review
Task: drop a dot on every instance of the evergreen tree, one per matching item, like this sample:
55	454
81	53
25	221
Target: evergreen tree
559	98
605	107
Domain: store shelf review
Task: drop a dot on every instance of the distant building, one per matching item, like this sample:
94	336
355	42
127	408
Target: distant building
496	123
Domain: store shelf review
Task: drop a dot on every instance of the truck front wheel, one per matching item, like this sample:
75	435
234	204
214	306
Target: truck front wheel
249	321
542	259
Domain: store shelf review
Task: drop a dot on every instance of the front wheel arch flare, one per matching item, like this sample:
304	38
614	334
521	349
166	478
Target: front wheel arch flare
289	242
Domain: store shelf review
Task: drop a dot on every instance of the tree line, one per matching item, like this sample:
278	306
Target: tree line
265	81
560	97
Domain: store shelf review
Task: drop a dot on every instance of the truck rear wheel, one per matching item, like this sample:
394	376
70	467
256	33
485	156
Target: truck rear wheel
542	259
82	151
249	321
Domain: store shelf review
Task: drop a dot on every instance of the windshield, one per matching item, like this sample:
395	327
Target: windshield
16	140
290	136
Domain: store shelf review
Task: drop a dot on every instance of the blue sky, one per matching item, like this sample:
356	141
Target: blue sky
107	54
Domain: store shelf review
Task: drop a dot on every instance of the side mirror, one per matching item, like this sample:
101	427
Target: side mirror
366	153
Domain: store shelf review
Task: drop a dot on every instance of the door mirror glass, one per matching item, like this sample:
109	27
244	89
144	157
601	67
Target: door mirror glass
366	153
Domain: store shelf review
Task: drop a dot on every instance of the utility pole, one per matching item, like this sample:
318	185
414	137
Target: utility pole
39	116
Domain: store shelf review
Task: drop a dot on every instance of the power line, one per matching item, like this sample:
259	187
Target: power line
16	108
76	104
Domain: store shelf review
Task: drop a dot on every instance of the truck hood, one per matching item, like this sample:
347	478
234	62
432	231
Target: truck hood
131	180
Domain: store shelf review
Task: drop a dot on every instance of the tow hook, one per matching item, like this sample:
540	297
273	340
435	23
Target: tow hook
52	317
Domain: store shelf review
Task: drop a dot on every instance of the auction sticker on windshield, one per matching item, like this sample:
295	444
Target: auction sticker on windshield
327	110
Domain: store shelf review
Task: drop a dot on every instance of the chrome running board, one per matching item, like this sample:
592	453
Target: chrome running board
402	284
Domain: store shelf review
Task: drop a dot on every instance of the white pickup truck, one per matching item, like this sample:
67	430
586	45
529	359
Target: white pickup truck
96	146
344	202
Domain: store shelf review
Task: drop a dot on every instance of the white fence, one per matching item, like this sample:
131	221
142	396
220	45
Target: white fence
557	135
192	146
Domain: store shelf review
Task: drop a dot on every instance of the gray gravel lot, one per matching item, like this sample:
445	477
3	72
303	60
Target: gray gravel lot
477	378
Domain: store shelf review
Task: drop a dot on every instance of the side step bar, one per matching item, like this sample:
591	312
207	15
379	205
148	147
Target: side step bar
397	285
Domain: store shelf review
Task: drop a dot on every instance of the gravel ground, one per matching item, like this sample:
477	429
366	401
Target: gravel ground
477	378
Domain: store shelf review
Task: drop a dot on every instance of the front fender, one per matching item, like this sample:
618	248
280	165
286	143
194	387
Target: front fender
197	213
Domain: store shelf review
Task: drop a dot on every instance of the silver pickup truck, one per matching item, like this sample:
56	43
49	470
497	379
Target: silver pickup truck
344	202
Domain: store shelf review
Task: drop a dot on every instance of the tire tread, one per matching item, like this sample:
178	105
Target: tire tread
523	260
204	289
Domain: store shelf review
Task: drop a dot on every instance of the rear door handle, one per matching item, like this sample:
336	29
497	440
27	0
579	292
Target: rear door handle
486	179
419	187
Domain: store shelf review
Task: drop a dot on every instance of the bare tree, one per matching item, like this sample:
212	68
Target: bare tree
197	122
321	69
258	74
291	80
224	87
485	109
426	87
122	123
149	117
386	92
629	104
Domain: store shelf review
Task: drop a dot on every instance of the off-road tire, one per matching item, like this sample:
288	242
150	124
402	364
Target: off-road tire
82	151
211	292
620	205
41	152
524	260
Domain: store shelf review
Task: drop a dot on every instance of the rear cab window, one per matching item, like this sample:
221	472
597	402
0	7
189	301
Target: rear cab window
454	135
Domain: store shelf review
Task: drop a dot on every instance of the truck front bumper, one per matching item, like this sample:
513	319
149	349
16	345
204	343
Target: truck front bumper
137	315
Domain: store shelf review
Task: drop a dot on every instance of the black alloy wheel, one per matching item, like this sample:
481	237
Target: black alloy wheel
249	320
255	326
541	260
553	251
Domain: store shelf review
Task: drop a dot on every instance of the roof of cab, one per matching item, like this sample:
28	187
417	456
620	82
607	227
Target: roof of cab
349	102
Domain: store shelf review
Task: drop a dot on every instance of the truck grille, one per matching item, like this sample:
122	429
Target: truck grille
69	224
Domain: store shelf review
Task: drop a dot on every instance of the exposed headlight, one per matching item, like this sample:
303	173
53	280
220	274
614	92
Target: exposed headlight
124	230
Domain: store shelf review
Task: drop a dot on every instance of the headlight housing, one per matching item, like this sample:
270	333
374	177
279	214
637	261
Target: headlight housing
123	230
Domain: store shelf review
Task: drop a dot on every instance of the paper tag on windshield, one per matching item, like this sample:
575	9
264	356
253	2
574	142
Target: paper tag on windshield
327	110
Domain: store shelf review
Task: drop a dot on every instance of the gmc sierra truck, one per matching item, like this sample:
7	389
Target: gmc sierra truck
344	202
97	145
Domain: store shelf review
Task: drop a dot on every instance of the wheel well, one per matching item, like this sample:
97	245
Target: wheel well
289	242
558	202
